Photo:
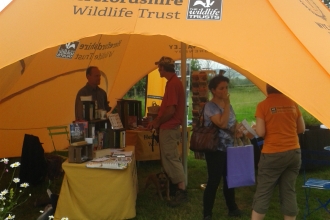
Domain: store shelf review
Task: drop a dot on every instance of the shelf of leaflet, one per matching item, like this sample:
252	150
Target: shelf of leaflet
110	138
104	136
97	124
82	152
98	133
130	112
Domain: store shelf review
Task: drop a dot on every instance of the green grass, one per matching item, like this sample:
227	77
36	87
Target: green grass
149	206
148	202
244	101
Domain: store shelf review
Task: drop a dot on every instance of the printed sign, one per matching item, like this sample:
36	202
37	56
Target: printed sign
204	10
67	50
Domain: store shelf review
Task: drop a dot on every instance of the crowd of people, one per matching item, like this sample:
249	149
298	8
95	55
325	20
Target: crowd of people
278	122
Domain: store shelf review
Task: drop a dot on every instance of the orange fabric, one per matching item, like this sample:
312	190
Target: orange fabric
37	88
155	88
280	115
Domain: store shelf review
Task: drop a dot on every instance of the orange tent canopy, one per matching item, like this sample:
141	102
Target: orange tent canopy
46	47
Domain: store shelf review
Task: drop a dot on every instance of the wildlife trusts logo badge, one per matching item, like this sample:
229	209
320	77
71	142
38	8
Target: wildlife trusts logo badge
312	7
273	110
67	50
204	10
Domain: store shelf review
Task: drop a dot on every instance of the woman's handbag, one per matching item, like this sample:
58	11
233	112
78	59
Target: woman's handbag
204	139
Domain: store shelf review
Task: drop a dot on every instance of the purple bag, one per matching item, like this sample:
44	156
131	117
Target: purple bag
240	166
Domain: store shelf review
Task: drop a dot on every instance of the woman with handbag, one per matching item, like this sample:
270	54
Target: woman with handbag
219	112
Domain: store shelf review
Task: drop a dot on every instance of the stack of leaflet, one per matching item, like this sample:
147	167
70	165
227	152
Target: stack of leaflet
118	161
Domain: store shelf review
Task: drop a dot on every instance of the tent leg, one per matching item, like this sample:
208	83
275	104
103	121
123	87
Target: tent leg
184	122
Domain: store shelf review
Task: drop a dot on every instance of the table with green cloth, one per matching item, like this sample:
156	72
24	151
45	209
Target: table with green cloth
94	193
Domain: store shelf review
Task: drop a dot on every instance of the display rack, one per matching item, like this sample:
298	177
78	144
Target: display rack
200	93
129	110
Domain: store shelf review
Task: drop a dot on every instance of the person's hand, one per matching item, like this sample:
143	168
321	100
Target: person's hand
153	124
226	99
253	126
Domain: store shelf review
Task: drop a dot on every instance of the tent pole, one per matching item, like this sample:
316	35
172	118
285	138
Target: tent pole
184	122
146	95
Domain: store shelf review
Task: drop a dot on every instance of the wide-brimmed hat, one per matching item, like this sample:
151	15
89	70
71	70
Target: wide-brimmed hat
165	61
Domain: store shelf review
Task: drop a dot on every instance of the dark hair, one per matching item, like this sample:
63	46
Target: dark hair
89	70
168	68
214	82
270	89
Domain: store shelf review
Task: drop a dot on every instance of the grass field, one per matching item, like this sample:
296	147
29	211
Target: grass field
244	101
148	205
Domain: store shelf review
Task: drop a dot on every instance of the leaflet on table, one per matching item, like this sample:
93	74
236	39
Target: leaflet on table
108	164
107	158
100	159
122	154
114	152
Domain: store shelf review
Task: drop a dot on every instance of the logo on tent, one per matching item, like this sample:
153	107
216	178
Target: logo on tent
312	7
204	10
67	50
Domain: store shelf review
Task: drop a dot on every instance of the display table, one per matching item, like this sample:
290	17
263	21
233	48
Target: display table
142	140
93	193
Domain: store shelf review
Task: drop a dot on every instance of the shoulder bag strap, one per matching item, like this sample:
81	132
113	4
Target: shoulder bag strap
201	115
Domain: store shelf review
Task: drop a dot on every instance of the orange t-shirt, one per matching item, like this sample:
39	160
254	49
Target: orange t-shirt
280	115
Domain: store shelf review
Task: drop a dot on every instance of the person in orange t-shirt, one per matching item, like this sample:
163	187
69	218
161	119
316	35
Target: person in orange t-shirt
278	121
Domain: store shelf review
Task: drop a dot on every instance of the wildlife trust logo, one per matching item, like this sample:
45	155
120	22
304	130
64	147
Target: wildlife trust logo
312	7
204	10
273	110
67	50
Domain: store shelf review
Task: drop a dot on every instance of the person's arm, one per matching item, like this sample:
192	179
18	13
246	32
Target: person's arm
106	102
300	125
221	120
167	115
260	127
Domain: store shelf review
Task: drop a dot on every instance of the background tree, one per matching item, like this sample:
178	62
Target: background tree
195	65
138	89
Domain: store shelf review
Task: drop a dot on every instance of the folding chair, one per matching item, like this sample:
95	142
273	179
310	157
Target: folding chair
315	158
58	130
